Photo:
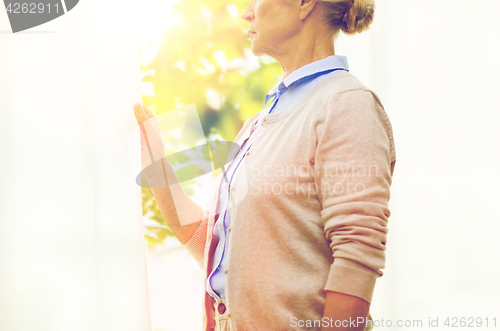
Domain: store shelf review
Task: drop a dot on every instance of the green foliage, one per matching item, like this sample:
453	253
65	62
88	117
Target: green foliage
207	61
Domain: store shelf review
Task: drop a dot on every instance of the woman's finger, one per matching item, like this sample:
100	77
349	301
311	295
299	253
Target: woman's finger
140	114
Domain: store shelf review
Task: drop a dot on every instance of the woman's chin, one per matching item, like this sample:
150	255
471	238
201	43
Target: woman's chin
256	50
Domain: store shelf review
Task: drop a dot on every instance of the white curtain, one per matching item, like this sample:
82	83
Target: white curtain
71	236
435	66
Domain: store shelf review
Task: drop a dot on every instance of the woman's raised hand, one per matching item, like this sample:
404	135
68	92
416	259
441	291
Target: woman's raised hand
152	146
175	205
142	113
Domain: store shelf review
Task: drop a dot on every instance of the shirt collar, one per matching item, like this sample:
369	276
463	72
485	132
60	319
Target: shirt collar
309	72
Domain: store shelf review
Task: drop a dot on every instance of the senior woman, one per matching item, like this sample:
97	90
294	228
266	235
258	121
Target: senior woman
294	239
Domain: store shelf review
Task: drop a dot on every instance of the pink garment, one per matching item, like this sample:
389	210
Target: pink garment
313	212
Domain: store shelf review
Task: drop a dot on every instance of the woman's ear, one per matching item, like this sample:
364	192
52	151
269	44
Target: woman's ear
306	8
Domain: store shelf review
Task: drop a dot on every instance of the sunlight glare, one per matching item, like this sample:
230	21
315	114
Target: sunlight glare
154	16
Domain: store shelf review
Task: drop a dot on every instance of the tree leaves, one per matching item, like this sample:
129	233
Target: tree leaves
209	52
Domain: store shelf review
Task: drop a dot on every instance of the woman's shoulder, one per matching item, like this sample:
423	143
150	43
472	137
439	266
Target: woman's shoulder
346	99
343	88
340	83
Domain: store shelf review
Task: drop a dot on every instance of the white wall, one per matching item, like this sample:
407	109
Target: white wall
435	65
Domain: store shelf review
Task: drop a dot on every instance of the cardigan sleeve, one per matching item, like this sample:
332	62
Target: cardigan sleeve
196	245
354	163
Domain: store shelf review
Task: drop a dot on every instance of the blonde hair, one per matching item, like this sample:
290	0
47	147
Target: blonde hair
350	16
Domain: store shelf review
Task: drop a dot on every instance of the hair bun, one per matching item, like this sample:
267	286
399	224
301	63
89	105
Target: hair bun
359	16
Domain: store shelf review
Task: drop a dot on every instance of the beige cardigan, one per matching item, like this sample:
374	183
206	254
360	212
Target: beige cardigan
310	208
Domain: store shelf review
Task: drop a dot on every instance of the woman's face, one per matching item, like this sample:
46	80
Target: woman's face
272	25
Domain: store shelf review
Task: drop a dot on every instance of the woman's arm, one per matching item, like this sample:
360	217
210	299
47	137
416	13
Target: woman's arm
353	169
181	213
168	208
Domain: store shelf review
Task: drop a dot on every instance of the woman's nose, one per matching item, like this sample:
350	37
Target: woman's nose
248	13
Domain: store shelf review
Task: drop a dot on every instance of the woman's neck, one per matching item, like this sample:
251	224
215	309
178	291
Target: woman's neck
307	48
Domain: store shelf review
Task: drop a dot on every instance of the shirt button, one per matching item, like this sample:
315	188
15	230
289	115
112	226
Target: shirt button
220	228
221	308
248	153
229	229
264	119
225	271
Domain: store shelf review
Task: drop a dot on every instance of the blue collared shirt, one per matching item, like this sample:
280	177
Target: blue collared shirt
285	94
